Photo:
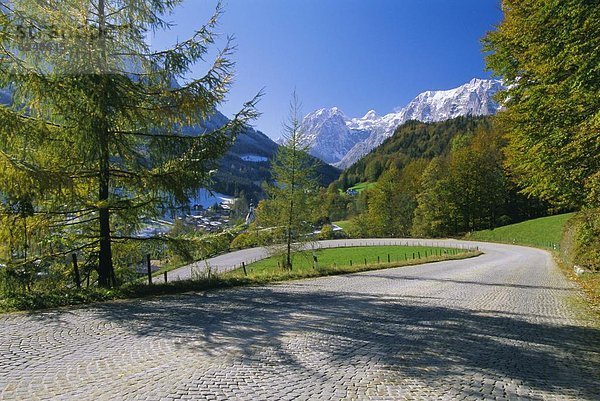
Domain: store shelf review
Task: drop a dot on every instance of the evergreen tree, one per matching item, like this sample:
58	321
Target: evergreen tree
289	207
96	132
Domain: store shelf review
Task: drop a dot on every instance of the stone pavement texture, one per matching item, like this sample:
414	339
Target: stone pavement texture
498	327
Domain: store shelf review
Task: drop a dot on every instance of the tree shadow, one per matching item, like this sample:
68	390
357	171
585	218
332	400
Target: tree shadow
469	282
405	336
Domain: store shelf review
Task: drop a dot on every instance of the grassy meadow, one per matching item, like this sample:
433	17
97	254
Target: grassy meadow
545	232
361	186
347	260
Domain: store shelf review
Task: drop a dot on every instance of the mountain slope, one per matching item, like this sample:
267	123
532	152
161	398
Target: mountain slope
329	136
412	140
342	141
245	165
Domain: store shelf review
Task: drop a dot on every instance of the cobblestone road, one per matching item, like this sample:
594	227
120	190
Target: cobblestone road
500	326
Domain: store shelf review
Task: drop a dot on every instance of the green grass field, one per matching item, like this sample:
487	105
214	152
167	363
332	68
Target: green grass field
542	232
347	260
344	224
361	186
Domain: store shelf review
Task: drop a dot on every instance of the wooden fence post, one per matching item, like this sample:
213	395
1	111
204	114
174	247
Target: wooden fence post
149	266
244	268
165	274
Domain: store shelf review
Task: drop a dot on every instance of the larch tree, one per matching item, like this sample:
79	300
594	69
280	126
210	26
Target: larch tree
289	207
96	133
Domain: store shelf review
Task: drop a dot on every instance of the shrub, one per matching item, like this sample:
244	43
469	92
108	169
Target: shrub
244	240
326	232
581	240
358	227
253	238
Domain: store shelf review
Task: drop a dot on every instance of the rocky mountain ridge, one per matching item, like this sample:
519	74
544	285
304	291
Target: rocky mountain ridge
341	140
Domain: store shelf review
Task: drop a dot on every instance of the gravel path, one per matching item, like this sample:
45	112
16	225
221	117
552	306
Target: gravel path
499	326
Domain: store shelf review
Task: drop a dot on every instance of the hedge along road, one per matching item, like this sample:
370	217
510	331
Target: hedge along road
499	326
232	260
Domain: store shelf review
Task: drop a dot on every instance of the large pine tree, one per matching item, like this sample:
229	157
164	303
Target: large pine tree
95	135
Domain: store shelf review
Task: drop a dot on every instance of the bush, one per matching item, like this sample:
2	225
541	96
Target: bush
244	240
504	220
581	240
359	227
326	232
18	278
253	238
196	246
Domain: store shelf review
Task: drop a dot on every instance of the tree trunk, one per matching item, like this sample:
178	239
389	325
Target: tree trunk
289	251
289	237
106	276
291	212
105	265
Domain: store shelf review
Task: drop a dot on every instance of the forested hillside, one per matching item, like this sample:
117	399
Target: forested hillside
247	165
433	179
410	141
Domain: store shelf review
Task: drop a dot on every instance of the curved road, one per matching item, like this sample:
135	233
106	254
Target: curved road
499	326
232	260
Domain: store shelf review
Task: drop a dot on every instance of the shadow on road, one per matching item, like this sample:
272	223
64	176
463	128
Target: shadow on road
405	335
469	282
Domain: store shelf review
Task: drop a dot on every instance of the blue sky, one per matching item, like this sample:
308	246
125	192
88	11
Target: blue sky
354	54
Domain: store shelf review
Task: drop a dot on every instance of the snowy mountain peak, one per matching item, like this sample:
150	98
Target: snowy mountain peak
472	98
324	114
340	140
371	115
328	135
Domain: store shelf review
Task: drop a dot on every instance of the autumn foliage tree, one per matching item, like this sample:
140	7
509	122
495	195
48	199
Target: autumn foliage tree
548	53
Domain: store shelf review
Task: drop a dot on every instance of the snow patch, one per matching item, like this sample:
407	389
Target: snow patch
207	199
254	158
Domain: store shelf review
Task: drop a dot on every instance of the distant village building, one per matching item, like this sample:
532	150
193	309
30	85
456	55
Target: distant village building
352	192
251	216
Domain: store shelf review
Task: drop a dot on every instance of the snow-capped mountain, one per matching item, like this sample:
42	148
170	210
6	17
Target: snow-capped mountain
328	135
339	140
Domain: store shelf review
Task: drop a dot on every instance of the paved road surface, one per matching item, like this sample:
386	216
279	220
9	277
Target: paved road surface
500	326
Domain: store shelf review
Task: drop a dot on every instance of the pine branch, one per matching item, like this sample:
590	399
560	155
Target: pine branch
59	225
